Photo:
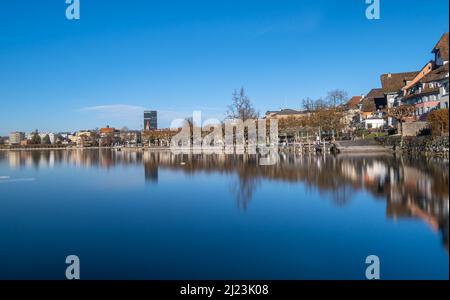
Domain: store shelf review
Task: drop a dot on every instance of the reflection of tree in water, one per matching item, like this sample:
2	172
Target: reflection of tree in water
412	187
36	158
342	195
248	178
243	188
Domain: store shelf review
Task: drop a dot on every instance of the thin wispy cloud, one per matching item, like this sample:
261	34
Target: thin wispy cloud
131	115
112	108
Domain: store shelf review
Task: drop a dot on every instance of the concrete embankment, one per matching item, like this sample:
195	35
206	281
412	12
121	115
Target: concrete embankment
362	146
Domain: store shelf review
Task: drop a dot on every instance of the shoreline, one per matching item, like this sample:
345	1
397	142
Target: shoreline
345	151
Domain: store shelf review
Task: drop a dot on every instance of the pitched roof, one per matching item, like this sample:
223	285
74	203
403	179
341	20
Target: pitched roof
375	93
442	46
437	74
392	83
368	103
353	102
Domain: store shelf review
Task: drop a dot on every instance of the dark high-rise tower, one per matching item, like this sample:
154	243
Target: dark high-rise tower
150	120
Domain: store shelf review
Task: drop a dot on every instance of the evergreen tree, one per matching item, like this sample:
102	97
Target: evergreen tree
35	139
46	140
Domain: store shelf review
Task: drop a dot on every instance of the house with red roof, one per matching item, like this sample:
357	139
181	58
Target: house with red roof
430	89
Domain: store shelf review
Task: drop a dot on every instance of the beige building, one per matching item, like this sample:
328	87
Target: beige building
16	137
286	113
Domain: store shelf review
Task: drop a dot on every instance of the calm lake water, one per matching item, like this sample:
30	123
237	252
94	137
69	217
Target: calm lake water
143	215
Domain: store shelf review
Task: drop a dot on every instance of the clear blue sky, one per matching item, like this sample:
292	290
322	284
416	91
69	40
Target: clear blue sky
177	56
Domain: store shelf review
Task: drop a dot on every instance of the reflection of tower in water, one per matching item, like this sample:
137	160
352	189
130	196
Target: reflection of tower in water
151	167
151	172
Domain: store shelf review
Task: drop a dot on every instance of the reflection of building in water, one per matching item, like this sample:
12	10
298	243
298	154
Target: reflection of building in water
412	188
151	166
15	159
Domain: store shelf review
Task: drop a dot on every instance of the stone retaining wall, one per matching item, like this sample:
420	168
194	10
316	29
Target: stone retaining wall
413	128
427	145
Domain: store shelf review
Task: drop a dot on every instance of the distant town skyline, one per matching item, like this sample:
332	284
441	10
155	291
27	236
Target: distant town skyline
119	60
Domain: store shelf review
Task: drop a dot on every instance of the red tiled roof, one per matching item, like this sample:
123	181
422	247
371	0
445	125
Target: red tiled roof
354	102
107	130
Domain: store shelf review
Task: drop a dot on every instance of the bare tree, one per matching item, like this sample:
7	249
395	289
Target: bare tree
312	105
401	114
337	97
320	104
308	104
242	107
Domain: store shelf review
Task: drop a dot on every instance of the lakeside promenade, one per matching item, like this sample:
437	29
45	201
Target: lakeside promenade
432	146
291	148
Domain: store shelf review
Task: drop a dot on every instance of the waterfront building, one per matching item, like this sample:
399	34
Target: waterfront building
150	120
374	122
373	104
429	90
352	112
392	84
410	86
107	131
51	136
85	138
287	113
16	137
109	136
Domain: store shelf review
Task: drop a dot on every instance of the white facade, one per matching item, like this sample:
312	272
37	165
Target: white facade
391	100
444	93
374	123
52	136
